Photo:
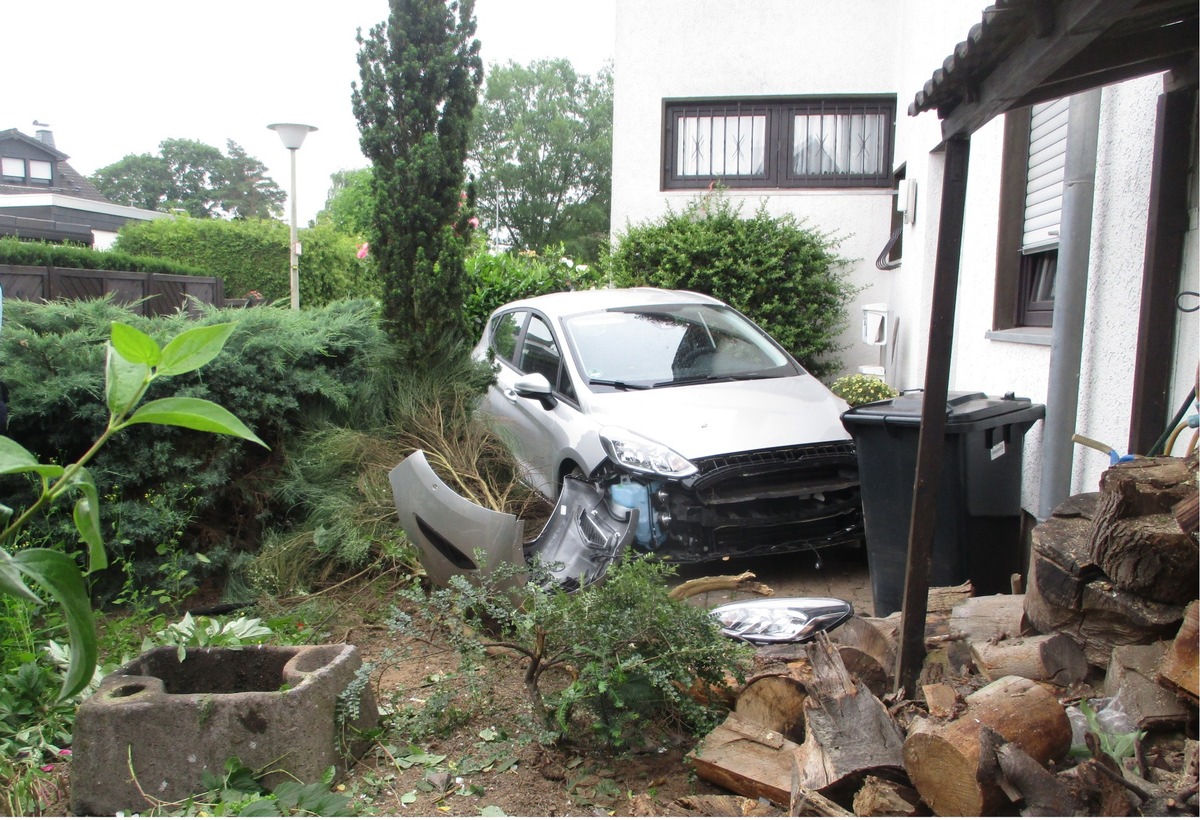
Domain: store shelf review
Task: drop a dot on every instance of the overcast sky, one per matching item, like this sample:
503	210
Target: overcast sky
117	78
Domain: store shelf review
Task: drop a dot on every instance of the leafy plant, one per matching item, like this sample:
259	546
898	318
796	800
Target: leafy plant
204	632
860	388
1120	746
628	654
785	276
134	362
238	792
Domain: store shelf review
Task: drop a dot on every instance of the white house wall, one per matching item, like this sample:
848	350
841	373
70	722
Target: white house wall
686	49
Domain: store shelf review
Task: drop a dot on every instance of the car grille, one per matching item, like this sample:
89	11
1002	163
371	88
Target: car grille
769	501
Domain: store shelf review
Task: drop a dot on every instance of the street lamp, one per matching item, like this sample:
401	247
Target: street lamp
293	135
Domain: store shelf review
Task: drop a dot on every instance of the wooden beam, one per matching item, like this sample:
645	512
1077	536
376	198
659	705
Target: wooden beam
1166	224
1032	60
931	440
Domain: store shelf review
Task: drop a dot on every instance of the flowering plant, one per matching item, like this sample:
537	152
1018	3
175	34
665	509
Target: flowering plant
861	388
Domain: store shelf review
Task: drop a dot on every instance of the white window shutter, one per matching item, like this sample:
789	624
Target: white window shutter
1044	178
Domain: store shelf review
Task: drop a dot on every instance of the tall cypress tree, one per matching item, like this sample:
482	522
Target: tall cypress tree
421	73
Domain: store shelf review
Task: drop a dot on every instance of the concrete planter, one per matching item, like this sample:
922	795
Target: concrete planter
273	707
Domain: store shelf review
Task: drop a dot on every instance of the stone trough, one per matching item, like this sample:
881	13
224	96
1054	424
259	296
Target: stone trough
273	707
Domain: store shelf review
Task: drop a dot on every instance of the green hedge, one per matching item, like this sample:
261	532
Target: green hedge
43	254
252	255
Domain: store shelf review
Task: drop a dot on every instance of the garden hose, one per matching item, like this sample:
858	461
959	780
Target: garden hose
1157	449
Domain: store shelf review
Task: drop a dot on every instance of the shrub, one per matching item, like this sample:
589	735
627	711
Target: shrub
495	279
860	388
781	274
39	254
283	372
634	654
252	255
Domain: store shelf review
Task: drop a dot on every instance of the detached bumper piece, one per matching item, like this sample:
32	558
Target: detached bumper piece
455	536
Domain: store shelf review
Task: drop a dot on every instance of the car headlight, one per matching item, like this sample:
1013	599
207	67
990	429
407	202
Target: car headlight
781	620
640	454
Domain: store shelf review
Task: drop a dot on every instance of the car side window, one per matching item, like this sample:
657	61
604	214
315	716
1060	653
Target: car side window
540	354
505	329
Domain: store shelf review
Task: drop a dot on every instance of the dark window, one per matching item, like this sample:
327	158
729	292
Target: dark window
1036	303
540	354
839	142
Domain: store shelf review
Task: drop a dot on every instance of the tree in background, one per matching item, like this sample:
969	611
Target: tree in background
420	73
196	178
349	206
542	140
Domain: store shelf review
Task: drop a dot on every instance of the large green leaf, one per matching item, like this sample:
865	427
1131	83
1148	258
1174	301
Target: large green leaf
10	581
193	349
87	519
57	574
134	345
123	381
16	459
194	414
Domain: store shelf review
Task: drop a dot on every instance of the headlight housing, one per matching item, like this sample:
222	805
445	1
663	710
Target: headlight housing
781	620
641	455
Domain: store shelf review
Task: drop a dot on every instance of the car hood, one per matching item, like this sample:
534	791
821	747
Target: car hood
727	417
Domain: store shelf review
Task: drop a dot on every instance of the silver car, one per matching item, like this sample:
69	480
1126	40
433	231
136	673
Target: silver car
677	406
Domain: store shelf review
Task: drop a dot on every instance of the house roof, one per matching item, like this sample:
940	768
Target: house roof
70	182
1028	51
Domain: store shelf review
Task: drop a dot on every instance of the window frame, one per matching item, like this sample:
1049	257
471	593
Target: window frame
780	115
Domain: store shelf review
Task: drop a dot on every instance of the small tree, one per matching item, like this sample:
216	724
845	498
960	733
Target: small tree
785	276
420	75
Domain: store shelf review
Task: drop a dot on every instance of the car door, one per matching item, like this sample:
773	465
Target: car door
537	434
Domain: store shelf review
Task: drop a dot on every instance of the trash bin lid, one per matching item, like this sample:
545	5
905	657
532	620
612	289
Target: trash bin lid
964	410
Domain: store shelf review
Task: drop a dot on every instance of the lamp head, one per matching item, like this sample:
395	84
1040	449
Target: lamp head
291	133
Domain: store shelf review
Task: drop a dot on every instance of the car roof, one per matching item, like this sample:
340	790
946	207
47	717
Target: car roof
576	301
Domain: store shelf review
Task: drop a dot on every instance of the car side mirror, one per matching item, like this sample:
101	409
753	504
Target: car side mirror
536	386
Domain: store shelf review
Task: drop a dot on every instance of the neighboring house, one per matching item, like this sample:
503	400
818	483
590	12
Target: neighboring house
802	105
43	197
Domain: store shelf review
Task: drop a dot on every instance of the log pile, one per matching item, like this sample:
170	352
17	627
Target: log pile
1075	698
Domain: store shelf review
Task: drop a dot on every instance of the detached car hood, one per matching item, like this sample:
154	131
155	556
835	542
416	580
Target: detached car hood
725	417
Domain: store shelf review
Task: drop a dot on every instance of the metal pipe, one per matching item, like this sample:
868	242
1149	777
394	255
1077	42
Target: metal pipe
294	258
1070	299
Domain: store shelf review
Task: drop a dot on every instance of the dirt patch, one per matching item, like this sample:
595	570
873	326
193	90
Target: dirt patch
462	745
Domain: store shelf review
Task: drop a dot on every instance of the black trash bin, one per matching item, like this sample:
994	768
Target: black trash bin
977	535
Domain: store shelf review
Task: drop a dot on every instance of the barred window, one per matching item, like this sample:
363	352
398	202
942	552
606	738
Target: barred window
791	143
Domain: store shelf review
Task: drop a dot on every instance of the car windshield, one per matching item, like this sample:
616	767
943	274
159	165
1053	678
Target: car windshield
663	345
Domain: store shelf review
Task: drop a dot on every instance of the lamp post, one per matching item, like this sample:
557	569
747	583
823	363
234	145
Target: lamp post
293	135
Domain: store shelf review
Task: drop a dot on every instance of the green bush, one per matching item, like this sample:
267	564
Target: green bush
783	275
40	254
283	372
252	255
494	279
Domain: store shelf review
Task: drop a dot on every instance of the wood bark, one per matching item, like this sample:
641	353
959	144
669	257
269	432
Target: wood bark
1040	792
745	582
746	759
868	650
848	731
1180	667
945	760
1137	541
1051	658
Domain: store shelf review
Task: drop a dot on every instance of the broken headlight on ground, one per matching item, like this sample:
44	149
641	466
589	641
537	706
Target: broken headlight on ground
781	620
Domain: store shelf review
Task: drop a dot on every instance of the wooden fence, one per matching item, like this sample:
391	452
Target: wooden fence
148	294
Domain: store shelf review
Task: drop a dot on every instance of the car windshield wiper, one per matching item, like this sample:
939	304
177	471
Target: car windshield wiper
713	379
620	385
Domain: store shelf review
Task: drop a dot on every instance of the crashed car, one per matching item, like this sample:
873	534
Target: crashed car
670	414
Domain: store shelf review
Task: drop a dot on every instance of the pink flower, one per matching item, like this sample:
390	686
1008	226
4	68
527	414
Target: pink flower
64	752
49	767
363	250
473	222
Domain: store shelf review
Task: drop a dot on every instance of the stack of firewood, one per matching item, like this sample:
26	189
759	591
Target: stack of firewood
1110	612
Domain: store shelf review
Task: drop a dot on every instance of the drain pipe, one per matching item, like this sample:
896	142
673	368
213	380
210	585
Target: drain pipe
1070	297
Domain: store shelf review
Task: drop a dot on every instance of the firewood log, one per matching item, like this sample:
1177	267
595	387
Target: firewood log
1180	667
943	759
1051	658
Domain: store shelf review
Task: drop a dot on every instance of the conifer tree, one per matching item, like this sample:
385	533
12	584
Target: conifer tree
420	75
